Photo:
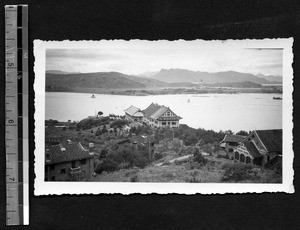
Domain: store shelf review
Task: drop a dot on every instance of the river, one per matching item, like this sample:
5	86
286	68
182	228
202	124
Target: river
209	111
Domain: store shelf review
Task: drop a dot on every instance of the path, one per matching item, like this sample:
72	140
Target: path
176	159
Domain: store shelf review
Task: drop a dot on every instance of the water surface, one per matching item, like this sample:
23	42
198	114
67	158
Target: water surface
209	111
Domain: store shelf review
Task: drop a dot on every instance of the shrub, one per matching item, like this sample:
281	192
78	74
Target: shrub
134	178
108	165
199	158
193	177
238	172
158	156
223	156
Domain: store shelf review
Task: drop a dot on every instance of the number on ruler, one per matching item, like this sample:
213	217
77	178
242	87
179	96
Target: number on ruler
10	64
11	121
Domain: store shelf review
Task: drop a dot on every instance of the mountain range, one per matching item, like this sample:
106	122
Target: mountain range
64	81
180	75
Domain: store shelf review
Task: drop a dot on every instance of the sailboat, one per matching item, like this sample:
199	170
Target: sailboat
188	101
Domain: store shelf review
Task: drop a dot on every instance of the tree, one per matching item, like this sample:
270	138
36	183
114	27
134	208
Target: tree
243	133
100	113
104	130
228	131
118	124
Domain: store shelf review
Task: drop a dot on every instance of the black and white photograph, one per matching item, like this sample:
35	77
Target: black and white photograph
163	116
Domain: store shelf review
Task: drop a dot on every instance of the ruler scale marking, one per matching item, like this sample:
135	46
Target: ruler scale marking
16	65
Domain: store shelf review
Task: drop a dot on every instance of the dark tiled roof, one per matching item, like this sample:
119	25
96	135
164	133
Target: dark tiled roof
66	153
233	138
155	110
272	139
252	149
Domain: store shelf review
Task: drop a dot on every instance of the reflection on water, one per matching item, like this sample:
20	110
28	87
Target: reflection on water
210	111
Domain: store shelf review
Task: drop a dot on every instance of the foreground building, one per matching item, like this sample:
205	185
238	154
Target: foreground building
160	116
68	162
261	147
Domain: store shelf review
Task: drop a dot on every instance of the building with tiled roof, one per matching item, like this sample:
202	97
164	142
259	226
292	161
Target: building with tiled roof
68	162
133	114
231	141
160	116
263	147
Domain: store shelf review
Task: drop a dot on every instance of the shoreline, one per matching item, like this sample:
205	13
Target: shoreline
171	91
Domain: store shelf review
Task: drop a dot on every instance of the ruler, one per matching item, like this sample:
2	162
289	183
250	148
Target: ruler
16	111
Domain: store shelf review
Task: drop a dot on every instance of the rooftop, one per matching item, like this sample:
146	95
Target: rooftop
252	149
272	139
134	111
155	110
233	138
66	153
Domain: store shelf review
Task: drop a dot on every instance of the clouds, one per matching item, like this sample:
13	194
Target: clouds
136	57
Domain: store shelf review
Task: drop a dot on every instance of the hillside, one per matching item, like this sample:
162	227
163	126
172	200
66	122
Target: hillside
244	84
271	78
111	80
61	72
180	75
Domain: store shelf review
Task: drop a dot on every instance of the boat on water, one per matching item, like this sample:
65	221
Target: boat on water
93	96
188	101
277	98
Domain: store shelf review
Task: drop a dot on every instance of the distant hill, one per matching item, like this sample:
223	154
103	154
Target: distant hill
148	74
104	80
60	72
244	84
180	75
271	78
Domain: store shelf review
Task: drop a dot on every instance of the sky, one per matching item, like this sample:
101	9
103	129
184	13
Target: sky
137	57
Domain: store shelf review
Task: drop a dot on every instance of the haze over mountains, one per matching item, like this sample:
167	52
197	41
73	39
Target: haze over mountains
183	75
64	81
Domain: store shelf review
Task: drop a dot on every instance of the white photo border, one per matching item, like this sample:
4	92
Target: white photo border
42	187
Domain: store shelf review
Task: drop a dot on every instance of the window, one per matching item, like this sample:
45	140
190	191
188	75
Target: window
62	171
173	123
268	158
168	123
52	167
248	160
163	123
237	156
242	158
83	161
73	164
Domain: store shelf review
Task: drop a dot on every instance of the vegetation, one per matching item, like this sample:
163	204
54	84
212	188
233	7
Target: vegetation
122	160
191	136
239	172
243	133
92	122
119	123
51	122
141	129
199	158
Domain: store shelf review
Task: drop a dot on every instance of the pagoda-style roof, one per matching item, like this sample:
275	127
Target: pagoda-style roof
134	111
